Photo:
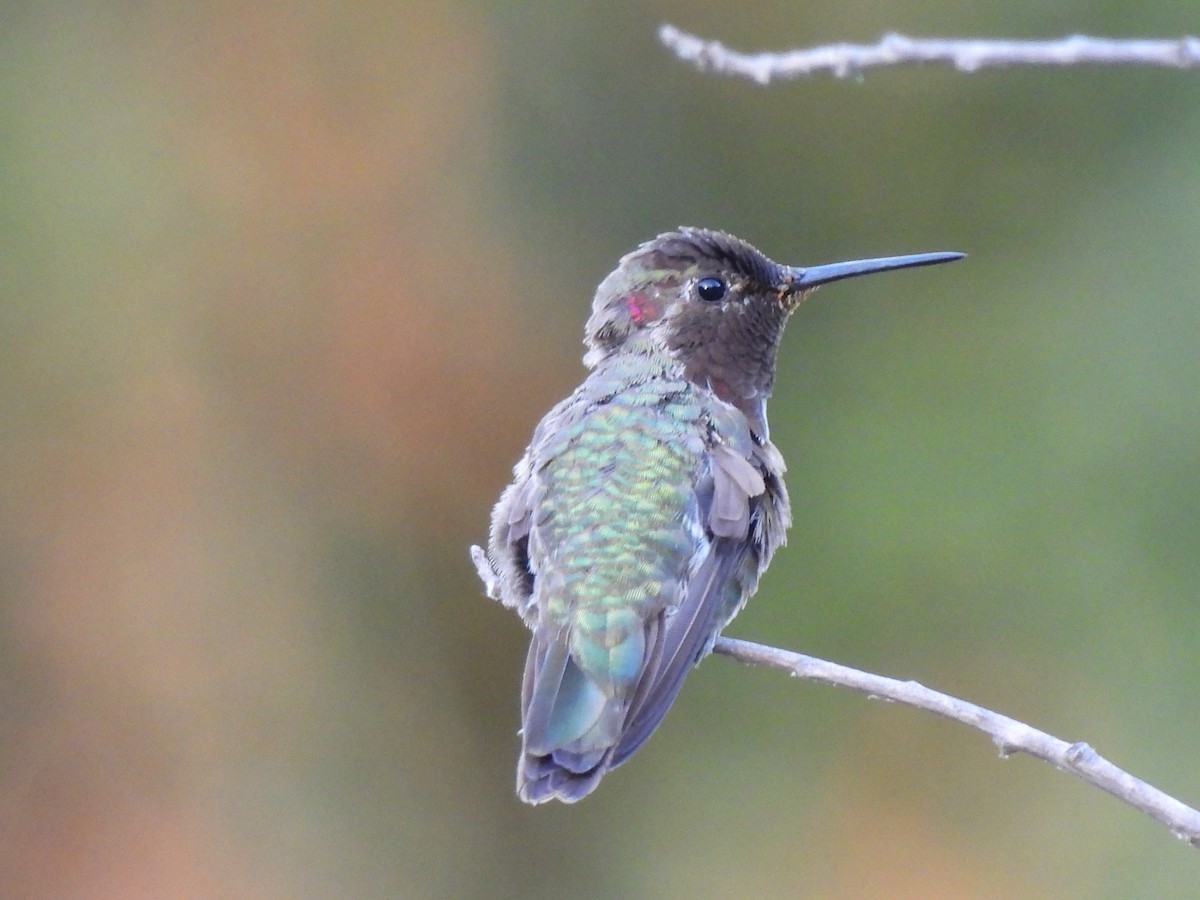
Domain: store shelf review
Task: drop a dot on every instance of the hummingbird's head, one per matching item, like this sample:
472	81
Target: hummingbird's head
715	304
684	289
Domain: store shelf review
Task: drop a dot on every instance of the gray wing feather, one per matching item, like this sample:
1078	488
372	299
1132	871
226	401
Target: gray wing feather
686	636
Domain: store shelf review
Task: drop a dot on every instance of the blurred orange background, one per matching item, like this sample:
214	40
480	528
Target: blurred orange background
284	291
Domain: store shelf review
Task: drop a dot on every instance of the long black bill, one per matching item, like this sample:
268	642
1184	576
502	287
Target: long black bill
804	279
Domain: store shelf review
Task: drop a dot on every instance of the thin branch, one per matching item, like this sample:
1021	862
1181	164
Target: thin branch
1009	735
843	60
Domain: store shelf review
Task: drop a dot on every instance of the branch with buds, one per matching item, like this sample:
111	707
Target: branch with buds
844	60
1008	734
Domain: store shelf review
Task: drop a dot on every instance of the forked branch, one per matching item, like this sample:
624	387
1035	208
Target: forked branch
1008	734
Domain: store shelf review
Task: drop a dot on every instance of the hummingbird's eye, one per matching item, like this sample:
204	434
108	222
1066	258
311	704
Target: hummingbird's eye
711	290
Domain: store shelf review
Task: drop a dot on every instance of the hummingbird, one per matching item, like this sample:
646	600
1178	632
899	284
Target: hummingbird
650	500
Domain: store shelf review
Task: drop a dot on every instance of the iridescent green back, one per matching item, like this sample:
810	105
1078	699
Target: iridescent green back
617	518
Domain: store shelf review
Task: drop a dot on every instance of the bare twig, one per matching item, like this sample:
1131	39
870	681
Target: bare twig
895	49
1009	735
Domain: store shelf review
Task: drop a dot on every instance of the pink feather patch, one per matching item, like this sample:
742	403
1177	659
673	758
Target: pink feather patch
641	308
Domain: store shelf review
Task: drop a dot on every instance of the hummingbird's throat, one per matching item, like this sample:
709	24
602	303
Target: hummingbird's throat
790	298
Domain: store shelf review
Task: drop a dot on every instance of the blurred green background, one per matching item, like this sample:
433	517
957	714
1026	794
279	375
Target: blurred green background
283	291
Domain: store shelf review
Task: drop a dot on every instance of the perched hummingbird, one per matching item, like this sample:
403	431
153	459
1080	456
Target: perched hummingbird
649	501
